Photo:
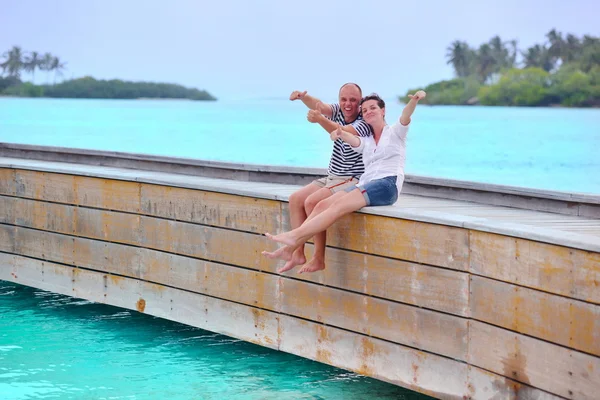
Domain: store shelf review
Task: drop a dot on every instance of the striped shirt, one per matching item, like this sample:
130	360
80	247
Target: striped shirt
344	160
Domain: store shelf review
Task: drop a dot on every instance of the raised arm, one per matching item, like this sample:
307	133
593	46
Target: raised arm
312	102
346	136
315	116
410	107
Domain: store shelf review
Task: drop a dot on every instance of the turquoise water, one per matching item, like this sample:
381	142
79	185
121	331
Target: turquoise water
57	347
546	148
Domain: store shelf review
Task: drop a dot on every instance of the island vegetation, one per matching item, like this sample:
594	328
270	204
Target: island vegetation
17	62
562	71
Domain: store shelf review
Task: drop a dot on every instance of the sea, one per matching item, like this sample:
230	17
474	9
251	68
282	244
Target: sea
544	148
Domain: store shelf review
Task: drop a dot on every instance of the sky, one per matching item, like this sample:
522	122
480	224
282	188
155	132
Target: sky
245	49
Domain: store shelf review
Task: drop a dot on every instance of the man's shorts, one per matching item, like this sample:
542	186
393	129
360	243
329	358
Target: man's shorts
336	183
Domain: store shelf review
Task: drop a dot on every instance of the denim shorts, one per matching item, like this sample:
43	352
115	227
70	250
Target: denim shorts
379	192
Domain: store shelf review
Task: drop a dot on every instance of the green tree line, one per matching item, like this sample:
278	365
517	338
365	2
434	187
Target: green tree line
15	62
564	70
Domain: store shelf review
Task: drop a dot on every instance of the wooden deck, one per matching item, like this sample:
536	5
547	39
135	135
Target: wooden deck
451	298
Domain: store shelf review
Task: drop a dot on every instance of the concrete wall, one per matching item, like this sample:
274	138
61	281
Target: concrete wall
447	311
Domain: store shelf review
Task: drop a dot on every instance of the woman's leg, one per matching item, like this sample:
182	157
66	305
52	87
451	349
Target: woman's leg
322	217
282	251
317	262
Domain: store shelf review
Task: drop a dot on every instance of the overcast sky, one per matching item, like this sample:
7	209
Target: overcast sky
239	49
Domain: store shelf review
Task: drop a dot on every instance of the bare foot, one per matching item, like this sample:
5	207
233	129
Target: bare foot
285	238
282	253
313	266
298	258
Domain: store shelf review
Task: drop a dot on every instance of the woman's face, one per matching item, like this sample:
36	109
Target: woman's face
372	113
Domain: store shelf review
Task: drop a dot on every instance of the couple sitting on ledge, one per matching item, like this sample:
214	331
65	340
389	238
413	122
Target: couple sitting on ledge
366	169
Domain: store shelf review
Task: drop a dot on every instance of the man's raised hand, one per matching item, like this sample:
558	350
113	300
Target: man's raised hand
297	95
313	116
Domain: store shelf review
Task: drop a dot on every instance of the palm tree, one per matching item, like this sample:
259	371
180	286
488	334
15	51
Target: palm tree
32	63
46	64
499	52
589	40
573	47
14	62
486	62
557	45
514	50
538	56
460	55
4	64
590	53
57	66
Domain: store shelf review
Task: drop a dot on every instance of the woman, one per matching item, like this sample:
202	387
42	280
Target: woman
384	158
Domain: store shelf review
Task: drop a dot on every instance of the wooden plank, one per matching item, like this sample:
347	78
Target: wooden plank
42	215
420	242
41	274
107	225
7	238
427	330
571	323
81	190
540	364
105	257
44	245
59	188
7	181
7	210
485	385
555	269
209	208
7	266
109	194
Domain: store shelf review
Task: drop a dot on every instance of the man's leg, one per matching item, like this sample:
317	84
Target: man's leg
317	262
297	217
298	257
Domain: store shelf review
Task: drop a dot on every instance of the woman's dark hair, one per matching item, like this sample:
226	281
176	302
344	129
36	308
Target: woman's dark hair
374	96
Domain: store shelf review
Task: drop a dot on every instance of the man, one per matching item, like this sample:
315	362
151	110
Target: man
345	168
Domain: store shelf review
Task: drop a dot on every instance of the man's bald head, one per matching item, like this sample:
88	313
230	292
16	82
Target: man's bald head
352	84
350	96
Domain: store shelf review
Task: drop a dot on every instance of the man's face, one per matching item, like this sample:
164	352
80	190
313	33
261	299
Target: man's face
349	102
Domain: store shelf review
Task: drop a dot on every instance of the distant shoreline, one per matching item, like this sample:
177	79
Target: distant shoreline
91	88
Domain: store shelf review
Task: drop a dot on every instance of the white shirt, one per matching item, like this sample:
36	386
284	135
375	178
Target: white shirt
387	158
